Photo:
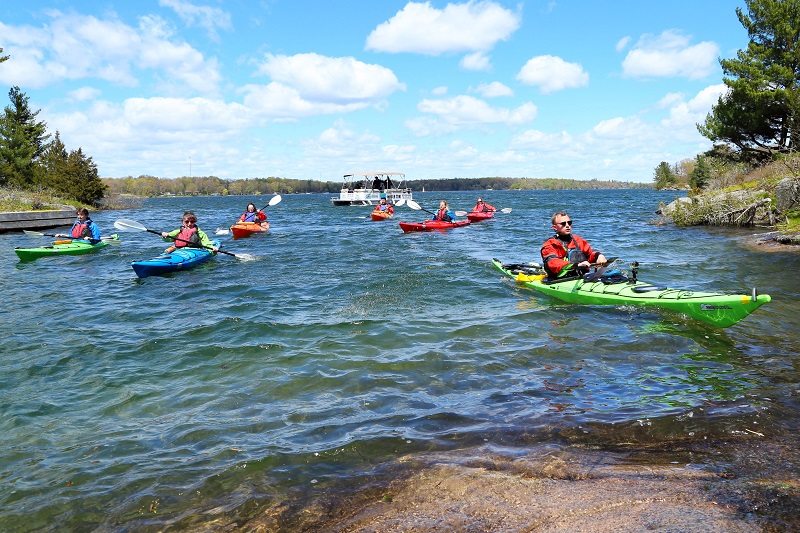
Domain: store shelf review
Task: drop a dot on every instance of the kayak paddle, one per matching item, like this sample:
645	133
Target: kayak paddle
416	207
123	224
273	201
107	240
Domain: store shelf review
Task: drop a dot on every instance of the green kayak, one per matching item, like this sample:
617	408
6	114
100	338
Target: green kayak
721	310
64	247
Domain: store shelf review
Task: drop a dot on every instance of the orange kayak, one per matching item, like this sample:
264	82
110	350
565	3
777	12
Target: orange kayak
245	229
380	215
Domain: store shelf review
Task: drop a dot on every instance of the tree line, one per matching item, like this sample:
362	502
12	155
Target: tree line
30	160
211	185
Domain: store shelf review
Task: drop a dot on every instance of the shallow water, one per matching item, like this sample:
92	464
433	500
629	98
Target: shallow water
346	343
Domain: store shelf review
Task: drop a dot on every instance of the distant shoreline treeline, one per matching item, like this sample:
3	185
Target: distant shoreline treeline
212	185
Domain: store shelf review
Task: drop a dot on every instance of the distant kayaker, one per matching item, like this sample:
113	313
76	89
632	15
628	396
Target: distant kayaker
482	207
83	228
253	215
564	253
383	205
188	235
444	213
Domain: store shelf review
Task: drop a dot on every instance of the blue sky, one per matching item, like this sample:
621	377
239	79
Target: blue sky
580	89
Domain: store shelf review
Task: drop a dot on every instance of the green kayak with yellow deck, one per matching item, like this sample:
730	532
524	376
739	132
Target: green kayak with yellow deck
64	247
721	310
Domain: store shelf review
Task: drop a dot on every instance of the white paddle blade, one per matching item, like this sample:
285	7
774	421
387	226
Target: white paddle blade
505	210
124	224
111	240
461	213
413	205
33	233
221	231
275	200
400	202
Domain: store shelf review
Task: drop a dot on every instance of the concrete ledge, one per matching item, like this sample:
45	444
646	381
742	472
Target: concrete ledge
36	219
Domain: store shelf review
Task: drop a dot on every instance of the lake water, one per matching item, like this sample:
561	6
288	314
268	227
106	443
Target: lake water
128	403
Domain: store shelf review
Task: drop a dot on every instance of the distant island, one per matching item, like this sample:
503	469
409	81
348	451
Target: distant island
148	186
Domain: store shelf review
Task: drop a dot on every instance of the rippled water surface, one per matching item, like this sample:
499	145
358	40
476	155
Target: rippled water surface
345	342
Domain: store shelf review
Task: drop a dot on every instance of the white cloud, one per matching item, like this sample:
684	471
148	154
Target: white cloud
84	93
670	55
476	61
439	91
540	141
623	43
419	28
552	74
494	90
467	110
684	115
335	80
206	17
73	47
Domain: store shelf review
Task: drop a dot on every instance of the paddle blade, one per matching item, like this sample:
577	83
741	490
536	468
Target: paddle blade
221	231
400	202
33	233
505	210
275	200
461	213
413	205
124	224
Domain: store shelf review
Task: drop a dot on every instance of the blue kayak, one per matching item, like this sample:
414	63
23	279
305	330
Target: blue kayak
181	259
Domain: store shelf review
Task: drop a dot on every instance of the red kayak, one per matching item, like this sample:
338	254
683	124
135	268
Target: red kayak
477	216
245	229
431	225
380	215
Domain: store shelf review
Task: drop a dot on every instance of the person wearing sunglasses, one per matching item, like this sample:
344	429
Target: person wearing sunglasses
188	235
566	254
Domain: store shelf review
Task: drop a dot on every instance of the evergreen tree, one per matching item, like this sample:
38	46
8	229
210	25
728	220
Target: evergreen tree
81	180
22	141
700	174
663	176
760	112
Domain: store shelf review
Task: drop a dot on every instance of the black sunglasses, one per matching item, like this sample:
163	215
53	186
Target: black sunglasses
565	223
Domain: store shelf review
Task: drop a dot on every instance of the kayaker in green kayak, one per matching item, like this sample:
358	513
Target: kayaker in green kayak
188	235
566	254
83	228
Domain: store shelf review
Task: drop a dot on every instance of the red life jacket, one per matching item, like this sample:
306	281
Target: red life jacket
442	215
81	230
187	234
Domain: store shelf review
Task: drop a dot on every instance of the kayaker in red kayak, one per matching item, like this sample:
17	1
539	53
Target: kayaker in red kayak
83	228
189	235
482	206
253	215
565	253
383	205
444	213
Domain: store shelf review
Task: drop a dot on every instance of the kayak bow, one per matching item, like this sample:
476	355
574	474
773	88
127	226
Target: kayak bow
721	310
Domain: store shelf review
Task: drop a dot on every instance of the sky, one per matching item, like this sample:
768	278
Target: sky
576	89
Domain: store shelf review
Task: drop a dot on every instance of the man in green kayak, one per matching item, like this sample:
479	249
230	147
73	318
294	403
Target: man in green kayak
565	254
188	235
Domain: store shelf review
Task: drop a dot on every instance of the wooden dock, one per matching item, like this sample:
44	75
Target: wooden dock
35	220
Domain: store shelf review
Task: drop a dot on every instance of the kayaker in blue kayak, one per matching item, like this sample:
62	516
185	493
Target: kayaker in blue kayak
564	254
83	228
188	235
444	213
253	215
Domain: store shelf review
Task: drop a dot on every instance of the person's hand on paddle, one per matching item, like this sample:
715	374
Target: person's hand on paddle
601	260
